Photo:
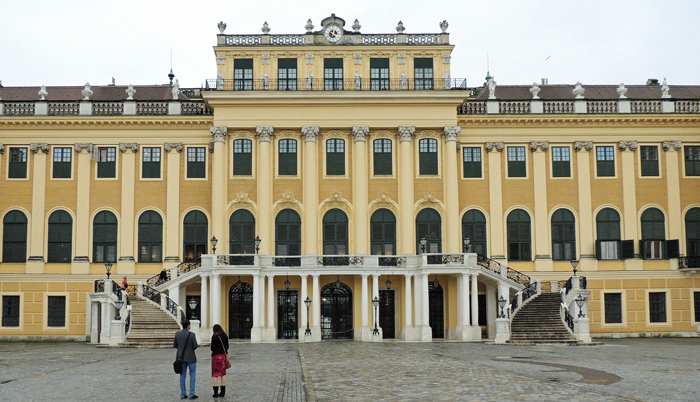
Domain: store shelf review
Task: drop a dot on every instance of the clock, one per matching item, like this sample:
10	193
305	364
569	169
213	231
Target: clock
333	33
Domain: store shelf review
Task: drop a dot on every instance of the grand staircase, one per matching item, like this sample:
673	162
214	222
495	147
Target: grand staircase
538	322
151	327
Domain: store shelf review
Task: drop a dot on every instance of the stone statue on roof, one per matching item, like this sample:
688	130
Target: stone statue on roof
621	90
491	84
42	93
130	91
404	80
310	82
535	90
265	81
358	80
176	90
444	25
664	90
446	80
578	90
87	91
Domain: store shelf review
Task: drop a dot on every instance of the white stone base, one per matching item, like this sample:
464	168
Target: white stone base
408	333
581	330
364	334
502	330
315	334
270	334
476	333
462	333
116	333
424	333
256	334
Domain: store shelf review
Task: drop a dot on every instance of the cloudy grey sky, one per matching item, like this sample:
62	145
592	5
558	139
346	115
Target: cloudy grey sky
71	42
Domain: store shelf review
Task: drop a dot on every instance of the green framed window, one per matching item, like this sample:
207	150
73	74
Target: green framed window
692	232
104	237
62	162
696	301
242	74
471	162
196	162
653	243
382	157
428	156
563	235
613	308
519	236
605	161
429	226
150	163
383	232
335	233
14	237
692	160
657	306
516	162
287	157
561	162
56	311
150	237
17	168
195	229
649	155
379	74
242	157
10	311
333	74
423	73
287	74
242	232
106	162
288	233
474	229
335	157
608	239
60	244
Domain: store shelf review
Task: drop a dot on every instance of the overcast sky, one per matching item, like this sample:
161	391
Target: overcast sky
72	42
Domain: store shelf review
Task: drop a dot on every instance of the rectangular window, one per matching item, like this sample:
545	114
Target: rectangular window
288	157
287	74
652	249
242	157
696	300
609	249
196	162
428	156
335	157
561	162
243	74
333	74
605	161
57	311
379	74
657	306
10	311
472	161
18	163
150	167
423	73
61	162
613	308
106	163
382	157
516	162
650	160
692	160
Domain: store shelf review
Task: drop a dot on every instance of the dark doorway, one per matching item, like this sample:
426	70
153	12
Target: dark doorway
287	313
240	311
436	310
386	314
336	311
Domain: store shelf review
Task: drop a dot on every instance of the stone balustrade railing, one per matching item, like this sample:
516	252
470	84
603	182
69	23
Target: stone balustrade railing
579	106
101	108
355	39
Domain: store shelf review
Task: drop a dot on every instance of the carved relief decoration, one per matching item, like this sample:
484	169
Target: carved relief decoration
446	58
676	145
358	59
36	147
541	145
335	134
624	145
266	59
382	134
579	145
402	59
79	147
219	133
220	60
360	132
406	132
310	133
490	146
169	146
242	198
264	133
336	199
309	59
287	199
123	146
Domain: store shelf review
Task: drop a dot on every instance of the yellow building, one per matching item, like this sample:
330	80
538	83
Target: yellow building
365	171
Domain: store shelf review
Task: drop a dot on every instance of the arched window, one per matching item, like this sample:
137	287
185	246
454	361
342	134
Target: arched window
428	156
150	237
241	232
653	244
383	232
692	232
474	228
335	232
194	234
429	226
14	237
288	233
608	237
104	237
60	237
563	235
519	237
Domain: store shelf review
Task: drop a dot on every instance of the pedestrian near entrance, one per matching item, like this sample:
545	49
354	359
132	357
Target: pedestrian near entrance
219	358
186	343
125	284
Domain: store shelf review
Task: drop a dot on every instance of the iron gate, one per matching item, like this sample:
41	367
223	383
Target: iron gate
436	310
287	313
336	311
386	314
240	311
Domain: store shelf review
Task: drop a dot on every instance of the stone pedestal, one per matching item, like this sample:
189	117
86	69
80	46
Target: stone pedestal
424	333
116	332
581	330
365	335
463	333
256	334
476	333
408	333
270	334
502	330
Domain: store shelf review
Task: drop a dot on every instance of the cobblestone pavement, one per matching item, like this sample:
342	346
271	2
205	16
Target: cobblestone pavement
659	369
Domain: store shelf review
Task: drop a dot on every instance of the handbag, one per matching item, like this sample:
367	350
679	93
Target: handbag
177	364
228	363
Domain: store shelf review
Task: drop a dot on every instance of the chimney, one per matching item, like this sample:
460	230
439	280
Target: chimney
653	81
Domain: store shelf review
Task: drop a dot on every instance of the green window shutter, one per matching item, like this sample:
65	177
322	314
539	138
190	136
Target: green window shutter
335	157
56	311
692	160
106	164
287	157
516	161
196	162
673	249
423	73
242	157
471	162
561	162
650	160
17	168
150	163
605	161
379	74
428	156
382	157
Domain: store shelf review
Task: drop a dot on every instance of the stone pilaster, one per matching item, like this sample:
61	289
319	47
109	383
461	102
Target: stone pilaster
406	192
360	189
172	234
218	183
585	212
673	188
82	255
265	162
543	260
127	264
496	238
310	190
629	198
450	168
35	262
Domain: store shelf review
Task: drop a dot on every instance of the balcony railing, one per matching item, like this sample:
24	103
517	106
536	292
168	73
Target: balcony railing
362	39
612	106
688	262
348	84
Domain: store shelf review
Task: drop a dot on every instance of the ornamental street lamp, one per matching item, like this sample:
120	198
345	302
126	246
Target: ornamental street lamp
193	305
108	267
388	284
423	242
579	302
307	303
436	283
574	263
466	242
213	240
257	244
375	302
119	303
287	283
501	304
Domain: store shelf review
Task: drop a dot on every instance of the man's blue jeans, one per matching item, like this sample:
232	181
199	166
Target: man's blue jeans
193	378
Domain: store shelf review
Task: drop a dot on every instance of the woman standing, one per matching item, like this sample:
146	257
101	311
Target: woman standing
219	352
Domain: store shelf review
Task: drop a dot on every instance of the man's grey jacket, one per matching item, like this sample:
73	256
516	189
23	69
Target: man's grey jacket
181	342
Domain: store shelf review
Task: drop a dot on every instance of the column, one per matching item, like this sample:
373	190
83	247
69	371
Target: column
316	304
304	313
81	260
585	210
216	300
463	332
127	264
476	335
426	333
543	260
629	200
204	308
35	262
502	323
496	236
491	307
360	190
451	186
310	191
218	183
270	332
673	186
172	218
466	321
258	300
406	196
264	182
408	333
365	334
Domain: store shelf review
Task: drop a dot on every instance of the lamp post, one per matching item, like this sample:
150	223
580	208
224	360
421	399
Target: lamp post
119	303
579	302
574	263
108	267
466	242
257	244
501	304
213	240
193	305
423	242
375	303
307	303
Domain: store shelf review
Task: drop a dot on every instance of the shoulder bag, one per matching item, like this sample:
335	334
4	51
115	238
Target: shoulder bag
228	363
177	364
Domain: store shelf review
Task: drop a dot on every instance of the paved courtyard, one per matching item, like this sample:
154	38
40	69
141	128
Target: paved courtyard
659	369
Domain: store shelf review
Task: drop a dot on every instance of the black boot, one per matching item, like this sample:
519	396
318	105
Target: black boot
223	391
216	392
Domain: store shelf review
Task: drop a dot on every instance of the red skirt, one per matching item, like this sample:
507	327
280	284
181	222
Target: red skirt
218	365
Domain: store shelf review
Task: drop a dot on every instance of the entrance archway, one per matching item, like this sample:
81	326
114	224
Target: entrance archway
336	311
436	310
240	310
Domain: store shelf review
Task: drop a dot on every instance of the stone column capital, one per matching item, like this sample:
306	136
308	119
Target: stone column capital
310	133
627	145
211	147
451	132
406	132
264	133
541	145
36	147
491	146
676	145
79	147
170	146
360	132
219	133
123	146
2	148
581	145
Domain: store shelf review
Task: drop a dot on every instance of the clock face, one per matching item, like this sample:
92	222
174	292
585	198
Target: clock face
333	33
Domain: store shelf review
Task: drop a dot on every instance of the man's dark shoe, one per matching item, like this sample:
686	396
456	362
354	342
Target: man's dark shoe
194	397
183	397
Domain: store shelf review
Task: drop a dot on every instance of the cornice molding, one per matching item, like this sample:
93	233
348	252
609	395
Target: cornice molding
23	121
540	120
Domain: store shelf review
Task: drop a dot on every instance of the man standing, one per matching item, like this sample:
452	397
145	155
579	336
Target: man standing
186	343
